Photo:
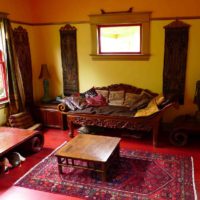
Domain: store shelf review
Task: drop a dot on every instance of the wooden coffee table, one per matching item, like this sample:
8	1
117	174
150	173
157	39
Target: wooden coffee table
96	153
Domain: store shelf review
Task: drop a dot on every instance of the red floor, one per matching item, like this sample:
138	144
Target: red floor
54	138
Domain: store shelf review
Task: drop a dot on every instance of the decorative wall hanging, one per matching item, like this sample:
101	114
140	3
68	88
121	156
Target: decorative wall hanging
22	48
69	59
175	59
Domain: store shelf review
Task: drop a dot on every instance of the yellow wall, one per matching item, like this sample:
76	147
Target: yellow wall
45	48
3	115
45	45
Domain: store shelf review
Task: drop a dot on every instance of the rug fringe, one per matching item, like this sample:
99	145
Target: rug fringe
193	179
40	162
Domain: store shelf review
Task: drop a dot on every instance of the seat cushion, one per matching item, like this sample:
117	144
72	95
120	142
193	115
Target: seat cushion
21	120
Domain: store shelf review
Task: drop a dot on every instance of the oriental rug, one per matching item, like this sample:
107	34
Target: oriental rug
139	175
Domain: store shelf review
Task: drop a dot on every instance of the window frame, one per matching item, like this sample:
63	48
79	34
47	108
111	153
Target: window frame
114	19
3	68
118	25
4	75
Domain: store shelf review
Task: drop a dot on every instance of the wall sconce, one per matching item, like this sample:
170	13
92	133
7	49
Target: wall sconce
44	74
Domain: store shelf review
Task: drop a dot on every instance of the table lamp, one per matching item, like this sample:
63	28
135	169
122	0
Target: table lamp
44	74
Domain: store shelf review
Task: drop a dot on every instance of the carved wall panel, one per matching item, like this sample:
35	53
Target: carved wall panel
175	60
69	59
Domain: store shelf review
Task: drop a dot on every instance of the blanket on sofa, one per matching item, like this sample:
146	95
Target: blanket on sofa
107	110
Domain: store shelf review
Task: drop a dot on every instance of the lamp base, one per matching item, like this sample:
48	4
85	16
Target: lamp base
45	99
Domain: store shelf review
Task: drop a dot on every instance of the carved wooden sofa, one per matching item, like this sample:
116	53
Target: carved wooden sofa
127	119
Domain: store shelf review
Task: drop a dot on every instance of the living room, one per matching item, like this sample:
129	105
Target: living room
43	21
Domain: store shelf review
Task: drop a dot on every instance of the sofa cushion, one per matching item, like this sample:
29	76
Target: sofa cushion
159	99
104	93
69	104
23	120
77	101
130	99
142	101
90	93
116	98
98	100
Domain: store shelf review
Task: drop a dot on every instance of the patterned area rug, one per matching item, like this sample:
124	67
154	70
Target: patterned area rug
139	175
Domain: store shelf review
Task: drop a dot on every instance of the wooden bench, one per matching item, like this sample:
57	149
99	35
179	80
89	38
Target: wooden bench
144	123
13	137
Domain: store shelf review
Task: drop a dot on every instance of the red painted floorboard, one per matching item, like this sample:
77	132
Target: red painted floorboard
54	138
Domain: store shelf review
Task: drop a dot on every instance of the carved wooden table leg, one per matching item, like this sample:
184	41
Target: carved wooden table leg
71	127
155	132
104	172
59	159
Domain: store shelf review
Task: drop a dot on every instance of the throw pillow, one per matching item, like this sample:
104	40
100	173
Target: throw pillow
104	93
116	98
142	101
149	110
70	105
159	99
78	101
130	99
98	100
90	93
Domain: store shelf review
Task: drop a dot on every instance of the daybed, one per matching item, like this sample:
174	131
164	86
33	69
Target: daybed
116	106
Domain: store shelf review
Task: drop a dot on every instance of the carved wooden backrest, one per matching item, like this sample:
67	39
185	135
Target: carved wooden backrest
125	88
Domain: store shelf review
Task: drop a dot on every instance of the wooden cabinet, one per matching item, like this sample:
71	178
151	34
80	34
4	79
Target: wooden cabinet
50	116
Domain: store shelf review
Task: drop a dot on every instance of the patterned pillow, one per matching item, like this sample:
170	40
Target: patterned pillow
98	100
90	93
149	110
104	93
75	102
67	101
116	98
142	101
159	99
78	102
130	99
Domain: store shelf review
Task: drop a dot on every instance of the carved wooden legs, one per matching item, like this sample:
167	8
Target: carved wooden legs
155	132
155	136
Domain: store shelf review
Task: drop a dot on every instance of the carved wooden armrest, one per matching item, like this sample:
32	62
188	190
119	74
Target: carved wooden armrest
63	107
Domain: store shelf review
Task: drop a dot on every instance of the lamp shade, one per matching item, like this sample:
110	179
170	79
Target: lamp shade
44	73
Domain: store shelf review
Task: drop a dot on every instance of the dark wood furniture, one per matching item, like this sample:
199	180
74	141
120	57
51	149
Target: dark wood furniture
13	137
183	126
49	116
148	123
98	152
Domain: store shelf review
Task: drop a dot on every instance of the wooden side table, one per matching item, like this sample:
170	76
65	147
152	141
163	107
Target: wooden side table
50	116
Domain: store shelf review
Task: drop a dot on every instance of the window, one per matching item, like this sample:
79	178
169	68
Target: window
3	72
119	39
120	35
